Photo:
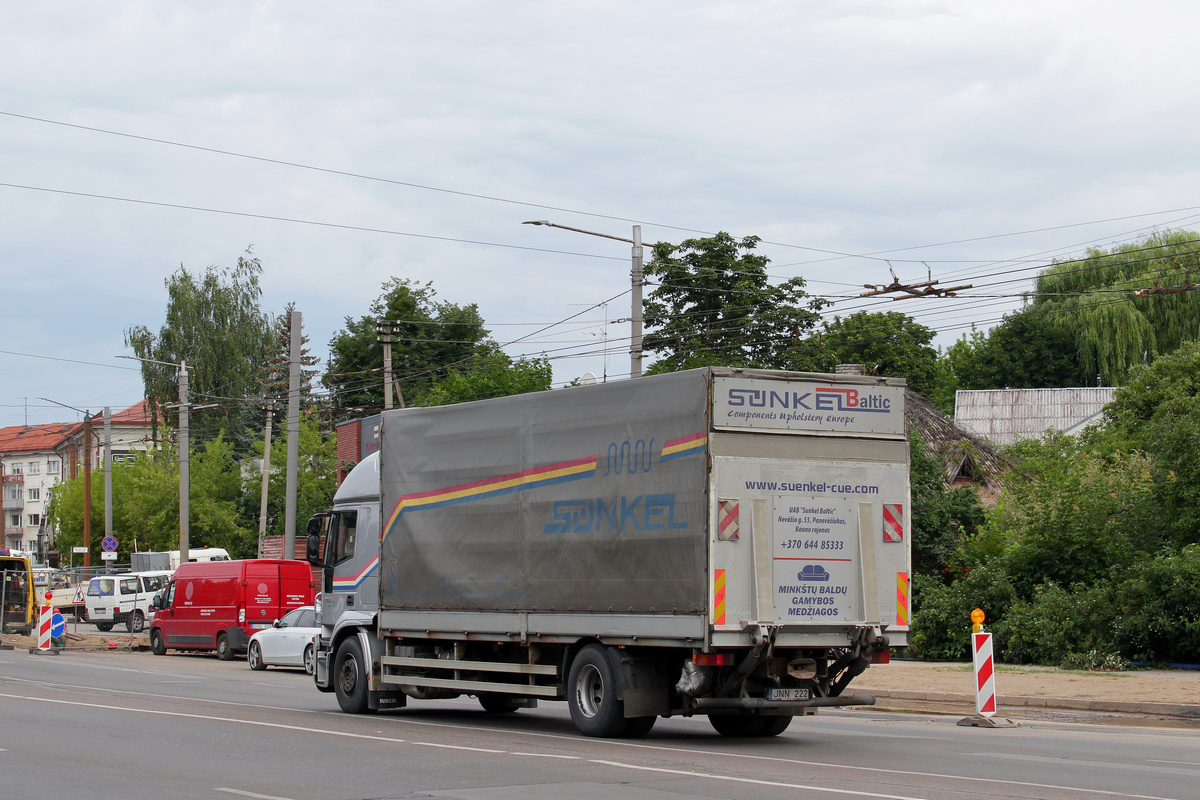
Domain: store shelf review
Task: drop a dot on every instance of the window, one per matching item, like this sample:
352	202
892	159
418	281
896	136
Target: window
342	531
35	468
101	587
35	520
14	520
12	491
154	582
14	469
33	494
52	466
129	586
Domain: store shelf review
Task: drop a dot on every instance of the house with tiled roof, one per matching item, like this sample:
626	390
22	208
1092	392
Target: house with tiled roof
35	458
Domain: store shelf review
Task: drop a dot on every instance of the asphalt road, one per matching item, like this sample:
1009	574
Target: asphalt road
138	726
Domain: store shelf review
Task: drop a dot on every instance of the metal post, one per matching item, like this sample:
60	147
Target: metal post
293	438
108	523
635	319
185	477
87	487
266	476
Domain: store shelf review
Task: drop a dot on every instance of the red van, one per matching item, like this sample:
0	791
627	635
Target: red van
218	605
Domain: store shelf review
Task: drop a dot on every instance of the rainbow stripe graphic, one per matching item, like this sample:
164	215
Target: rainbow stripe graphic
684	446
355	581
493	487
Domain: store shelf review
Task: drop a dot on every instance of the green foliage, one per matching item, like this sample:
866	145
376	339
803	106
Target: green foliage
1071	513
942	612
888	343
714	305
1155	603
146	503
943	519
214	325
495	376
316	482
1093	301
429	338
1025	351
1057	624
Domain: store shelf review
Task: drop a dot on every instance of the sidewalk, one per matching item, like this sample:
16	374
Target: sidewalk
949	687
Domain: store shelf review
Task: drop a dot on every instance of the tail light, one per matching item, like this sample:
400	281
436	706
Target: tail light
241	613
712	659
881	657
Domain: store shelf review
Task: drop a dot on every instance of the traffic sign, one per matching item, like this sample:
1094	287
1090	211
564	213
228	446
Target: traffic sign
79	549
58	625
109	543
78	595
108	555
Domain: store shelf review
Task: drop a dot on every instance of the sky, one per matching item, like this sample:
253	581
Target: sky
346	144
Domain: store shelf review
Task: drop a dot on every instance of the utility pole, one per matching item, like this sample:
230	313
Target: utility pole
384	329
108	523
266	478
293	438
637	279
185	482
87	487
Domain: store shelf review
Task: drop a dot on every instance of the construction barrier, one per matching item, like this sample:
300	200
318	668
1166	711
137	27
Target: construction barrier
985	674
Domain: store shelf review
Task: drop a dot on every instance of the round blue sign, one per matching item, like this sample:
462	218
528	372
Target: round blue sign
58	625
109	544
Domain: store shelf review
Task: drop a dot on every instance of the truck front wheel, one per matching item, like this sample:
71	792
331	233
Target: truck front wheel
157	646
350	678
592	694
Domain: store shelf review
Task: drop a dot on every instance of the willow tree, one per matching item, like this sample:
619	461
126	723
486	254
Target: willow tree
1126	305
213	324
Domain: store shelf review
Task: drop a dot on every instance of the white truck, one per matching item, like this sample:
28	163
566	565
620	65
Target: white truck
719	542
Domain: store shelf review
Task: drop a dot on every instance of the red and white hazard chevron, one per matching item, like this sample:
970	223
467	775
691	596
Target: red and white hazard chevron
893	522
985	674
728	523
44	625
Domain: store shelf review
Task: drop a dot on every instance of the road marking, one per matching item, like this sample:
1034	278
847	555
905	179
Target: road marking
754	781
616	764
548	755
249	794
690	751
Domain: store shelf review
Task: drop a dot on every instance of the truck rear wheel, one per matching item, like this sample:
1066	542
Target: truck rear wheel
738	725
773	726
350	678
592	694
637	727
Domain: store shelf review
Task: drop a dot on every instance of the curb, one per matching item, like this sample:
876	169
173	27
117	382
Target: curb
1169	710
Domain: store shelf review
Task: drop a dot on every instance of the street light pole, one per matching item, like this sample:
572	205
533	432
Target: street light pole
636	279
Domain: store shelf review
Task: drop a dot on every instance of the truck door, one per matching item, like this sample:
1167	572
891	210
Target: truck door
262	594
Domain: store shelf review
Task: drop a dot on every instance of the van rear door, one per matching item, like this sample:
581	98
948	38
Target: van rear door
263	596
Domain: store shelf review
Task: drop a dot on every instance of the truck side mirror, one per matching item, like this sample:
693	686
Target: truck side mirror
314	525
312	548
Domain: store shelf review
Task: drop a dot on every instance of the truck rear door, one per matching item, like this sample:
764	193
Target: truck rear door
262	594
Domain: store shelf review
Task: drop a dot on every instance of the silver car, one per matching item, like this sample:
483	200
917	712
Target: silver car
288	643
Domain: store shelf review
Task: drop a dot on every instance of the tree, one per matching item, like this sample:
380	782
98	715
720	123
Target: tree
888	343
714	305
214	325
429	338
494	376
1027	350
316	480
1093	300
146	503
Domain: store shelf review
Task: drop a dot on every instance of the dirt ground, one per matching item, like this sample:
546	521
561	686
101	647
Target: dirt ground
1154	686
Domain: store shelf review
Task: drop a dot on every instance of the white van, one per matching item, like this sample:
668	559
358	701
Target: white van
200	554
123	598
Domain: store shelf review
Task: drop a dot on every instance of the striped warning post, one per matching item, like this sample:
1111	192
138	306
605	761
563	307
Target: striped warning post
985	674
45	622
901	598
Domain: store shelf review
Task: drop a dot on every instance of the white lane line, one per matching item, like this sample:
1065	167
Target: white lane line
249	794
547	755
1164	761
757	782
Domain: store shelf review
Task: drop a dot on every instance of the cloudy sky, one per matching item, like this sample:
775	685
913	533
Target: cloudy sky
349	143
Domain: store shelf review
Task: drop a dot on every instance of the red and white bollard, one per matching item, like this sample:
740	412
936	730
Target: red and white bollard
44	624
985	674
